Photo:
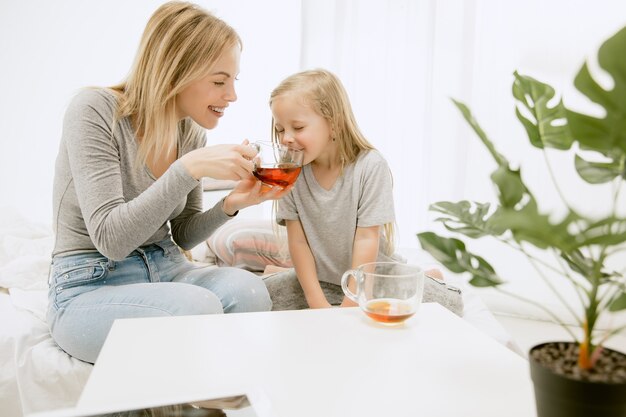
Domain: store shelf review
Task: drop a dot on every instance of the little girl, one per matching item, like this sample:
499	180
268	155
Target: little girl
340	213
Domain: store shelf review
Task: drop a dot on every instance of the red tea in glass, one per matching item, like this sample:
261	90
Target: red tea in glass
389	310
387	292
276	164
283	174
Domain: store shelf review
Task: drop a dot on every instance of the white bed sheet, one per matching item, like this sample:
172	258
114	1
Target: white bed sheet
35	374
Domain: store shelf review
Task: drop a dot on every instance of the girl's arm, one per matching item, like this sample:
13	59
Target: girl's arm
364	250
303	261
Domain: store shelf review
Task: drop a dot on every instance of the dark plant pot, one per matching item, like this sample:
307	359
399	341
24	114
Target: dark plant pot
557	395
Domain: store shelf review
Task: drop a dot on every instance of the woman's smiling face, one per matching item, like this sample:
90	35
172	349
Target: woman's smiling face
206	99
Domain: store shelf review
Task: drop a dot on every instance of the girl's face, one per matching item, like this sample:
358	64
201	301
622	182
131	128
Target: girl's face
299	126
206	99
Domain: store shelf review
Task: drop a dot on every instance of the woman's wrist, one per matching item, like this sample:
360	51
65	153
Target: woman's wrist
188	163
228	209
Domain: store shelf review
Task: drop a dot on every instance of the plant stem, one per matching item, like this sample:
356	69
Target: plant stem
618	250
580	290
607	299
554	182
609	296
542	307
615	331
618	187
547	282
574	282
591	313
519	248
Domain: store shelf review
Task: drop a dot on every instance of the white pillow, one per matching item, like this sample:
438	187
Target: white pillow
25	251
249	244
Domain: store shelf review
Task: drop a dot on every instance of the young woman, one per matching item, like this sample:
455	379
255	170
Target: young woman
127	187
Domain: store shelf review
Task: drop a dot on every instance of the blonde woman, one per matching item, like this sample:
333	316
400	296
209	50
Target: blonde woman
340	213
127	186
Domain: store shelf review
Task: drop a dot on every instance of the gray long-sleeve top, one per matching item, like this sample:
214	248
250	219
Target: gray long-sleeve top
103	201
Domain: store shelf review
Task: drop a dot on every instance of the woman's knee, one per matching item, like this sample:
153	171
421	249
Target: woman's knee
193	300
81	327
243	291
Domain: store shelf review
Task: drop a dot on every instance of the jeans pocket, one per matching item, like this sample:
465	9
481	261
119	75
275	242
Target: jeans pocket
177	256
73	278
172	251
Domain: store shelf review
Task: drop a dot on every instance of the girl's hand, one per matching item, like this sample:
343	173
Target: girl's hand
223	162
248	193
321	304
348	303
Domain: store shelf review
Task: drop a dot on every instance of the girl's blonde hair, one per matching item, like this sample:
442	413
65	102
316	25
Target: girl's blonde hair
179	45
324	92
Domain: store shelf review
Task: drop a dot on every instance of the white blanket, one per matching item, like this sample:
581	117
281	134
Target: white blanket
35	374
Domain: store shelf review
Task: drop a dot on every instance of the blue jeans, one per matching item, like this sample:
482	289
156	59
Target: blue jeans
88	292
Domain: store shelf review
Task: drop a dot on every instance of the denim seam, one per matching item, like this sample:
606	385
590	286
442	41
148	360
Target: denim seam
121	304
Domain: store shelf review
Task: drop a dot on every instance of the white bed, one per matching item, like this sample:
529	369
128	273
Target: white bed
35	374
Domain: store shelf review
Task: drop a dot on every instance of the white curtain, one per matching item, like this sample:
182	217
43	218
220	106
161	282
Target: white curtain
399	61
403	60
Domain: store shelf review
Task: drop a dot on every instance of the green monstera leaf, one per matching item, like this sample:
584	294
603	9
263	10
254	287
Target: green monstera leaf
580	246
527	224
470	219
548	128
606	135
599	172
467	114
511	188
519	212
619	303
610	231
453	255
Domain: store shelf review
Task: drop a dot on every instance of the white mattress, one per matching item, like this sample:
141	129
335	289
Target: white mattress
35	374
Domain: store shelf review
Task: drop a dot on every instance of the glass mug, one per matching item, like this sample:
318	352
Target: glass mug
388	292
276	164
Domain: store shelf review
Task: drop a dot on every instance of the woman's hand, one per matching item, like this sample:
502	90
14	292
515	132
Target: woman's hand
222	162
248	193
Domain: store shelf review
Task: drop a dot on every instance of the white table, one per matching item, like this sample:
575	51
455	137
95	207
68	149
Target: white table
332	362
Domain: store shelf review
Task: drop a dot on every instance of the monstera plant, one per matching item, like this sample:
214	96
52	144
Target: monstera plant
574	248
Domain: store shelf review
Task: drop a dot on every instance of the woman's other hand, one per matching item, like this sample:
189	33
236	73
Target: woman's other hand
248	193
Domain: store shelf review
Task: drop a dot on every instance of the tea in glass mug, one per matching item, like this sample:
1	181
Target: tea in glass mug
388	292
276	164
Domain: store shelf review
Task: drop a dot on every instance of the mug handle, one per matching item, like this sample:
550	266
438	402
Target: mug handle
344	284
256	159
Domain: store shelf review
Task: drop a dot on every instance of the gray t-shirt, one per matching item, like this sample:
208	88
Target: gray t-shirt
362	196
103	201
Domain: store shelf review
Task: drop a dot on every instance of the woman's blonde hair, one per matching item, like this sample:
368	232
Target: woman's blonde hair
179	45
324	92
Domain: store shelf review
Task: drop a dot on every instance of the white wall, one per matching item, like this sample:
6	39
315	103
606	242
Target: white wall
400	60
50	49
548	41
